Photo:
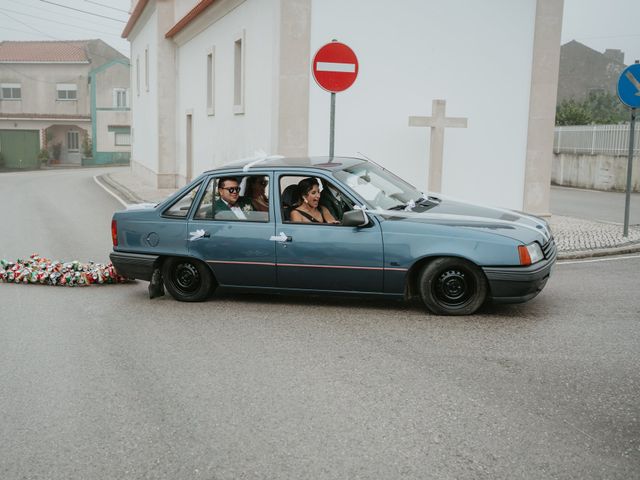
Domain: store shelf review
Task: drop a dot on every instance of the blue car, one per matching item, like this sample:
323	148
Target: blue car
330	226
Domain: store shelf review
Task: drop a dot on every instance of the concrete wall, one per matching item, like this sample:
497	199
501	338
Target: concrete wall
226	134
144	103
599	172
475	55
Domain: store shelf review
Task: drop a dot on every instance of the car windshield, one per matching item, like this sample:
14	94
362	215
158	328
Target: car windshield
379	188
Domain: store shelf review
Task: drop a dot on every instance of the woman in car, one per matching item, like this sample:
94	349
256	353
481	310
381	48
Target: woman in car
256	192
309	210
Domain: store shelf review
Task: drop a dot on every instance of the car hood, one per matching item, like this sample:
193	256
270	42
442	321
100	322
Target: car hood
448	212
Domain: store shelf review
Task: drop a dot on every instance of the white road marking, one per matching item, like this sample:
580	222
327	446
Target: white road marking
594	260
335	67
95	178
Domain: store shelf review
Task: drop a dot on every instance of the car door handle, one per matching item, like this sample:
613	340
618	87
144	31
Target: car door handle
283	237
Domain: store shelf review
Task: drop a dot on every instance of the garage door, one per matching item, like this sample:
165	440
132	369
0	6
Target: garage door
20	148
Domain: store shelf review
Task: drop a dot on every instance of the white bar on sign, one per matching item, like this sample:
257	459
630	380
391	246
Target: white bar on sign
335	67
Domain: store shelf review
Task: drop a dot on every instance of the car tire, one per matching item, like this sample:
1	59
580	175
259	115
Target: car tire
452	286
187	279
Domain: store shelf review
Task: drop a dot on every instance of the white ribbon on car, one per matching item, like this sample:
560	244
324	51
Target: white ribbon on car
197	235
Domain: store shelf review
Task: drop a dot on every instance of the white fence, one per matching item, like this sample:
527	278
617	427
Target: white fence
595	139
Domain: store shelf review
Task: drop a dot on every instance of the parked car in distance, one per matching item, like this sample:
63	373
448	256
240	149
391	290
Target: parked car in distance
389	239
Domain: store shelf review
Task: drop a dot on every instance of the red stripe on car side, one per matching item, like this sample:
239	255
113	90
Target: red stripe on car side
267	264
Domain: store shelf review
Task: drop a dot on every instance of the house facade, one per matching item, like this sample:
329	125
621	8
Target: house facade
584	70
217	80
69	98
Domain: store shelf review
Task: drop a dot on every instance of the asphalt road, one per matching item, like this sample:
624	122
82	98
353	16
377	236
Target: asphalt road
101	382
594	205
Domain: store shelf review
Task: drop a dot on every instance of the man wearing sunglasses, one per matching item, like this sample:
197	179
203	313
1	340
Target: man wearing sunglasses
231	205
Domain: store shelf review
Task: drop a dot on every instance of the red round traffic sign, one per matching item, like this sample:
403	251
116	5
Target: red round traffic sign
335	67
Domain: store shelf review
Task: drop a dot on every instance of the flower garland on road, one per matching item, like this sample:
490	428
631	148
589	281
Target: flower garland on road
37	269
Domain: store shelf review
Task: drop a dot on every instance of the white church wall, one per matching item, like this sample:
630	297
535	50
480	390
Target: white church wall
143	100
182	7
475	55
227	135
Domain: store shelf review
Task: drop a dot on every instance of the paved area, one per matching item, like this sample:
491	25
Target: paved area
576	238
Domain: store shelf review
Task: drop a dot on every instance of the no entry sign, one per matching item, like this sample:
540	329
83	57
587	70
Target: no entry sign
335	67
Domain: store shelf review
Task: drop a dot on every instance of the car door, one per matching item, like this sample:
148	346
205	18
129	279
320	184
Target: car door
240	252
324	256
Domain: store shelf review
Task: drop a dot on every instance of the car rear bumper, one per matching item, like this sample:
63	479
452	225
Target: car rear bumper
518	284
134	265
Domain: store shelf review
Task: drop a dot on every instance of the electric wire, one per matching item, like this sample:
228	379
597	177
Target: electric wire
84	11
59	23
108	6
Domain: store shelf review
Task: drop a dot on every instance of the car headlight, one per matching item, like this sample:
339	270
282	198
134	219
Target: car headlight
530	254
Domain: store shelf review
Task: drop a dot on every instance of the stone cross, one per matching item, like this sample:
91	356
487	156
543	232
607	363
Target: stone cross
438	122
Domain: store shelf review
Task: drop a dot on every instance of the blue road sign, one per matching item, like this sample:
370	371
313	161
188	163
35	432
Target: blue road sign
629	86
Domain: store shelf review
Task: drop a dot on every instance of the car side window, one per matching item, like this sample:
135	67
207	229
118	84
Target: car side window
332	203
235	198
181	207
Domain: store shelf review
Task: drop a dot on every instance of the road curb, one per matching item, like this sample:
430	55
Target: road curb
600	252
119	191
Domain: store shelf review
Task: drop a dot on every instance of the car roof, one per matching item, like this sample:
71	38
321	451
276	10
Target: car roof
278	162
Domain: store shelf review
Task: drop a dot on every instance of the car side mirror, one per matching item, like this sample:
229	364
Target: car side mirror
355	218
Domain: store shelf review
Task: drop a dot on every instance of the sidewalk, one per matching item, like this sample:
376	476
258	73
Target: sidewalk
575	238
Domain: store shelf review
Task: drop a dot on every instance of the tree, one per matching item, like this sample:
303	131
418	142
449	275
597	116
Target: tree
598	108
570	112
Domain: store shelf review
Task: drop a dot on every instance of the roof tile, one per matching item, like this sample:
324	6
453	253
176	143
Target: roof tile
44	51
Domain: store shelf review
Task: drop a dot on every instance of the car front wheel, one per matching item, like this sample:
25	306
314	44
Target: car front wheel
452	286
186	279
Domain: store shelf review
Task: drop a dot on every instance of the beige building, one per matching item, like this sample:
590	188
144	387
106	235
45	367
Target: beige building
70	98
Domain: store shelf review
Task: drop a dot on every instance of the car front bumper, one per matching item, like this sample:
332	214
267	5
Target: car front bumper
134	265
518	284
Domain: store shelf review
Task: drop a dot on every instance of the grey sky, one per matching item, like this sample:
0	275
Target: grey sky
598	24
601	24
37	20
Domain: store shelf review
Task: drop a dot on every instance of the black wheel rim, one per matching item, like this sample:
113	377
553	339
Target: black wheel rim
454	287
186	278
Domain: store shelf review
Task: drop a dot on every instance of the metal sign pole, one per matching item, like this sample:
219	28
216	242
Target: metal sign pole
332	124
627	202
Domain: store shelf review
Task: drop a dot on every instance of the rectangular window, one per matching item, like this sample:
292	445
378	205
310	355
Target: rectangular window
72	141
250	194
146	69
123	139
211	78
67	91
138	76
120	97
238	74
10	91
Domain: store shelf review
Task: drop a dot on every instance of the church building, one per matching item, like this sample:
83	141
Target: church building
457	96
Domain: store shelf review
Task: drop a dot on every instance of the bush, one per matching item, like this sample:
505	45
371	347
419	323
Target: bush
87	146
598	108
43	155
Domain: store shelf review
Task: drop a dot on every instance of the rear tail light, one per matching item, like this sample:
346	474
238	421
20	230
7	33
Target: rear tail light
114	233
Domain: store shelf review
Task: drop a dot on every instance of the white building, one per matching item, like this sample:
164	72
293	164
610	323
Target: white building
217	80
